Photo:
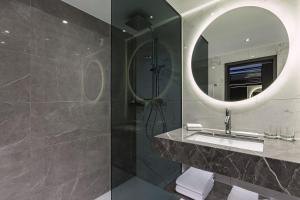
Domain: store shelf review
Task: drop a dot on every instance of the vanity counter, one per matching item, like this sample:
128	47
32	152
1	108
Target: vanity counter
273	148
276	168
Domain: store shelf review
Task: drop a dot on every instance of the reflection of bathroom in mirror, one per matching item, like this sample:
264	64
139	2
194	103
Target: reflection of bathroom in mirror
240	54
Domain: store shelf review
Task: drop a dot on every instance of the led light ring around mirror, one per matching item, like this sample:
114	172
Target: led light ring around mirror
263	96
163	93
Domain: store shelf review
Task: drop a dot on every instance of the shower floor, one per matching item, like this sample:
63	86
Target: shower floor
136	188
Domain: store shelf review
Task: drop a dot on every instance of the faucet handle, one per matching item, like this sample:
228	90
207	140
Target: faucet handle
227	111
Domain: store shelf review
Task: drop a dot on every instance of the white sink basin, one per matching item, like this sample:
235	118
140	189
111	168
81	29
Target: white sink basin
228	141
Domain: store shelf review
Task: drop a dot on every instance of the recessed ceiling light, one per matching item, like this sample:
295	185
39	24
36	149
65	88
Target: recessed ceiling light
151	17
247	40
213	67
6	32
65	22
124	31
2	42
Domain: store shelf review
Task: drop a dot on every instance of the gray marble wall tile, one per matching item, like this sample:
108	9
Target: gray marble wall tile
49	119
14	161
46	43
69	80
89	185
14	76
65	162
44	82
96	116
15	29
16	188
16	91
14	123
54	140
61	192
96	153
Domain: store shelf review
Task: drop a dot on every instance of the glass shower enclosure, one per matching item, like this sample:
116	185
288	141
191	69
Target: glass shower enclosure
146	96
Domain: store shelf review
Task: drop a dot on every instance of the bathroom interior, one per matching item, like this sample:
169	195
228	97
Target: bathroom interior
149	100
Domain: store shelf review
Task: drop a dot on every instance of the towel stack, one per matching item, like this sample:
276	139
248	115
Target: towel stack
193	127
195	183
238	193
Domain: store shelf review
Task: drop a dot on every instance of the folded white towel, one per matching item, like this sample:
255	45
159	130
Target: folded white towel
194	195
196	180
238	193
188	193
193	127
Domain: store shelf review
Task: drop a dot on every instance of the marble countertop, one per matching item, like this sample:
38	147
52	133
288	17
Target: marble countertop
273	148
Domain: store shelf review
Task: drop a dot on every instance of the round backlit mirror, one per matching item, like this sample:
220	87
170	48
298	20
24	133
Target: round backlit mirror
240	54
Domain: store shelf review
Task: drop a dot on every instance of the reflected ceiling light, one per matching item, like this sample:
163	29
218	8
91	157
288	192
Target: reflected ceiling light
65	22
247	40
124	31
2	42
151	17
6	32
196	9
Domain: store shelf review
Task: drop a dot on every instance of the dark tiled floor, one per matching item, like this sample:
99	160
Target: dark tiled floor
220	191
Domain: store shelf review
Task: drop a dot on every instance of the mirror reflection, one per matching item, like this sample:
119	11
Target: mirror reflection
240	54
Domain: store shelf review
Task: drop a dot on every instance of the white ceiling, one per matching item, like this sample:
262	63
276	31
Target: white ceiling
183	6
100	9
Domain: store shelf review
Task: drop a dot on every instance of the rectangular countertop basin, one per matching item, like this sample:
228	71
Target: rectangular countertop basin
228	141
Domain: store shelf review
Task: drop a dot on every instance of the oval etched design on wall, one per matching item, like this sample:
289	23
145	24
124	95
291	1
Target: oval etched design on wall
93	80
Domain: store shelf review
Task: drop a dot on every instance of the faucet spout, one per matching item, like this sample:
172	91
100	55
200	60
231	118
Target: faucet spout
227	121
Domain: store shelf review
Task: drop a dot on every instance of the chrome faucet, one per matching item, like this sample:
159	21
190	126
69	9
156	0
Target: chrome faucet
227	121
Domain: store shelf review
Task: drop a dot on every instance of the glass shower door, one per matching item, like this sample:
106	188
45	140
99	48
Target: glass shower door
146	97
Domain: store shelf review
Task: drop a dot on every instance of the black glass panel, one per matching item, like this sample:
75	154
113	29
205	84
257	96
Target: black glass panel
146	96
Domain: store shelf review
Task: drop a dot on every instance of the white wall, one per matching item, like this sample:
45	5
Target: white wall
100	9
280	108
